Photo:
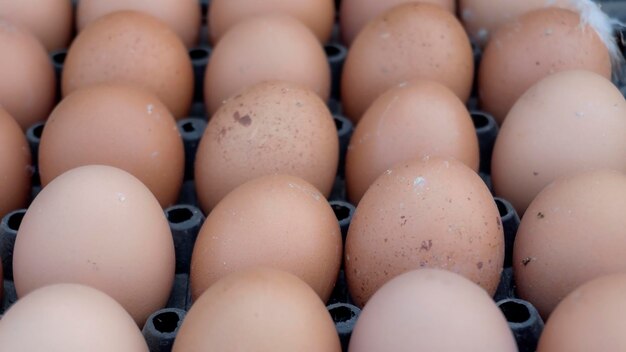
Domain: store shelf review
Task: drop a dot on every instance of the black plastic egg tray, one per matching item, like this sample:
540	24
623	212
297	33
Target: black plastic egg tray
185	218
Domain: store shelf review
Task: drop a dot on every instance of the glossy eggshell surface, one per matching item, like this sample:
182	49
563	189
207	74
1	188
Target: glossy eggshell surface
258	310
15	165
69	318
574	231
278	221
430	213
98	226
116	125
133	48
431	310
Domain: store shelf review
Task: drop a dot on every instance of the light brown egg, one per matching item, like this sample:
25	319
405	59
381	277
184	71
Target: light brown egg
568	122
71	318
409	121
573	231
355	14
98	226
537	44
116	125
15	165
28	84
272	47
591	318
183	16
278	221
430	213
49	20
409	41
132	48
431	310
258	310
317	15
272	127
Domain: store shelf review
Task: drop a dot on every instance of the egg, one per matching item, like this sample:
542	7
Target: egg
49	20
272	127
72	318
568	122
591	318
98	226
15	165
572	232
271	47
409	121
116	125
431	310
317	15
183	16
410	41
132	48
537	44
482	17
28	85
279	221
258	309
355	14
425	213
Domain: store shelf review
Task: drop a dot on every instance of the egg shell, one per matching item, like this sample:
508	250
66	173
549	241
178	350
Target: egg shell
409	121
71	318
272	127
572	232
133	48
243	58
28	85
317	15
99	226
116	125
591	318
279	221
355	14
568	122
49	20
183	16
15	165
430	213
413	40
535	45
258	309
431	310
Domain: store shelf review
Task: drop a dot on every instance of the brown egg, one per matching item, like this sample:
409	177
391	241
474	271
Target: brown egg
431	310
272	127
133	48
116	125
430	213
317	15
28	84
273	47
568	122
534	46
355	14
591	318
409	41
99	226
258	310
571	233
49	20
71	318
409	121
483	17
278	221
15	163
183	16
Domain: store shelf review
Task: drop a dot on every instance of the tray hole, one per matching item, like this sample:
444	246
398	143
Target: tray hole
15	220
179	215
515	312
342	314
166	322
341	212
